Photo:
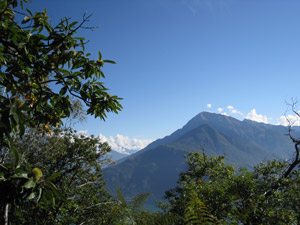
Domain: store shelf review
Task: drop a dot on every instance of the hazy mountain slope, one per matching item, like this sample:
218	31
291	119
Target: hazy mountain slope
147	173
156	168
114	155
238	150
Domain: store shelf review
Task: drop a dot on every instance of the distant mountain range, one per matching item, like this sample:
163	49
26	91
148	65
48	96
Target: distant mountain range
115	155
155	169
123	146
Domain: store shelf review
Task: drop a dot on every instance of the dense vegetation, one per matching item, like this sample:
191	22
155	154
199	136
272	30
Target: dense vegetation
42	68
262	196
50	174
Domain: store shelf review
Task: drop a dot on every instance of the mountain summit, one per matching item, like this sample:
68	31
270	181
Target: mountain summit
156	168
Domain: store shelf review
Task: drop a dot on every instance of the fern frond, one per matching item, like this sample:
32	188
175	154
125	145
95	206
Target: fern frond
138	201
121	198
197	213
159	218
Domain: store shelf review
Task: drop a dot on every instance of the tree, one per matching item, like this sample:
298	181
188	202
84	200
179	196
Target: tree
240	198
77	159
41	68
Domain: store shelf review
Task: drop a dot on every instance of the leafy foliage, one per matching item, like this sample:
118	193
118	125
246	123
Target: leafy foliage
41	68
73	163
132	212
129	212
196	212
236	197
35	56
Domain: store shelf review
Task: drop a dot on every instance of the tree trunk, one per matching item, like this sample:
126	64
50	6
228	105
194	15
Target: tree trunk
6	214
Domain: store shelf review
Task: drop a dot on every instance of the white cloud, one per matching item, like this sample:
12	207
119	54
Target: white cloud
208	106
285	120
122	143
224	114
233	110
289	120
257	117
230	108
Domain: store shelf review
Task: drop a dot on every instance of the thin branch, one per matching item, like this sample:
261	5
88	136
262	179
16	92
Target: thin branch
21	13
87	183
101	203
293	164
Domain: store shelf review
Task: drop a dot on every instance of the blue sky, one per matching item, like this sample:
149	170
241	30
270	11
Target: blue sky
174	57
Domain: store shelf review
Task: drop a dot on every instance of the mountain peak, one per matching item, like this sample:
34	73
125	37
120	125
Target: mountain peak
200	119
209	117
156	168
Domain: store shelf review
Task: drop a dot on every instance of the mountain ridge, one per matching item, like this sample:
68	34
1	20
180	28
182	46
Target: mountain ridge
156	168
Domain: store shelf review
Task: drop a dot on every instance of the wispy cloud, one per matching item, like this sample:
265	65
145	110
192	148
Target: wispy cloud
208	106
212	6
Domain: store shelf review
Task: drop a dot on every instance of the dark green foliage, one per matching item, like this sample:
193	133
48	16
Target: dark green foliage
34	57
131	213
76	159
196	212
41	68
236	197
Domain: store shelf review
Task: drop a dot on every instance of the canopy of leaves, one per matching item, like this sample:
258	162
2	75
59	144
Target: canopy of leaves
41	68
73	163
237	197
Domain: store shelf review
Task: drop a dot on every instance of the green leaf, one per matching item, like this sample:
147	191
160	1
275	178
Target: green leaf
53	176
20	175
82	44
16	118
73	24
100	55
2	176
26	19
29	184
15	151
21	4
109	61
48	195
40	194
13	109
63	91
29	12
40	29
31	196
56	192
